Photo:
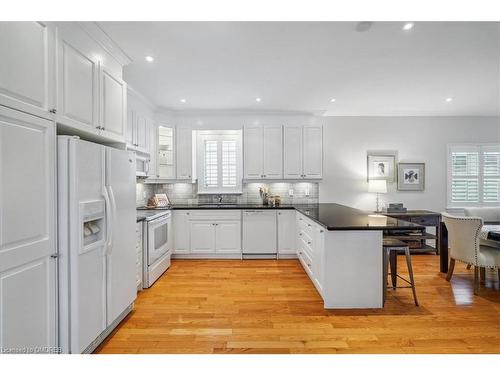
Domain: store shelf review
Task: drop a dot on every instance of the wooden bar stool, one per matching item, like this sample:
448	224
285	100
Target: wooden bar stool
391	248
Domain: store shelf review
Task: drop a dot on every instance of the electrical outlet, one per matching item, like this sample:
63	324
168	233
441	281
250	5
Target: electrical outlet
290	192
143	195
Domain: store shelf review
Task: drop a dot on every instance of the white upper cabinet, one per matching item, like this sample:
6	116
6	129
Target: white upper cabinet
253	152
303	152
91	95
113	103
26	71
141	122
313	152
184	153
166	152
292	152
77	80
153	149
263	152
273	152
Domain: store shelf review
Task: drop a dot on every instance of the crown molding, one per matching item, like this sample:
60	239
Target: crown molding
99	35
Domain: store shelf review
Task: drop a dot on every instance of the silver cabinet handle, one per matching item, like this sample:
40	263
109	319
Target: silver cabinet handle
308	242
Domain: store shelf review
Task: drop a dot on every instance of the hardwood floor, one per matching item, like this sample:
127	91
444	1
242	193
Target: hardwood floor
263	306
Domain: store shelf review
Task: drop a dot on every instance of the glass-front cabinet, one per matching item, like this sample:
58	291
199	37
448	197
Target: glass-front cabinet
166	152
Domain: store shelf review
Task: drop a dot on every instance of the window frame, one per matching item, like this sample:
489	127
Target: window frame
219	136
481	148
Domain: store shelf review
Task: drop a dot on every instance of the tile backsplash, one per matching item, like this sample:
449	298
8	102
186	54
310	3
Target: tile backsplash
186	193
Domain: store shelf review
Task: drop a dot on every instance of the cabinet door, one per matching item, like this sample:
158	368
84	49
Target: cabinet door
27	231
252	153
113	103
228	236
78	82
184	153
313	152
181	232
292	152
202	235
286	232
318	256
153	149
141	122
273	152
27	67
165	154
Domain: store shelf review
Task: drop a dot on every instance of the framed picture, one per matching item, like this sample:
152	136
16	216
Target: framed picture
380	167
411	176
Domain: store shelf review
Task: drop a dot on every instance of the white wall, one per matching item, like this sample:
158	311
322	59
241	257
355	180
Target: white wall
416	139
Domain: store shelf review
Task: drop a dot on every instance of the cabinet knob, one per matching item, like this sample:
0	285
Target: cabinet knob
308	242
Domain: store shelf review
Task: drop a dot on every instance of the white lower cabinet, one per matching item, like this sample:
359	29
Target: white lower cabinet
199	233
228	236
286	232
181	231
202	235
310	249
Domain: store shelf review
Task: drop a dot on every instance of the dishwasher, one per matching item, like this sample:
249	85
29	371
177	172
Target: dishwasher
259	234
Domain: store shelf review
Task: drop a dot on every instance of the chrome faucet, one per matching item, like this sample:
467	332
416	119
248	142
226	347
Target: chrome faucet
219	198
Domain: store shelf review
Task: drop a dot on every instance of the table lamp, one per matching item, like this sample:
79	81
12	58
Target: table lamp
377	186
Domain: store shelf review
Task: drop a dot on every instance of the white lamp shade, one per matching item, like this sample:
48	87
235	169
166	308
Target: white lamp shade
377	186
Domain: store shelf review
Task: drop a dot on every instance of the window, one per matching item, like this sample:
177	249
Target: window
474	175
219	162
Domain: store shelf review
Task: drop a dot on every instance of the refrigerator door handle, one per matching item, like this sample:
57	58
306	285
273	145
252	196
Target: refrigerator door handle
109	219
113	217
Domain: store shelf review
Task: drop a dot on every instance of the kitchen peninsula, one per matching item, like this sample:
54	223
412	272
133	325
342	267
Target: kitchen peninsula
339	247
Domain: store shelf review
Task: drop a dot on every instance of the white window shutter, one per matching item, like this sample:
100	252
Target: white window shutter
229	163
465	176
211	165
491	176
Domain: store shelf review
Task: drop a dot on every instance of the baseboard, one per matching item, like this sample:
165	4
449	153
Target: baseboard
94	344
207	256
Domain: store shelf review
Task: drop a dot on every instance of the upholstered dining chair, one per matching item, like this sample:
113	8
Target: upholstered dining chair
464	245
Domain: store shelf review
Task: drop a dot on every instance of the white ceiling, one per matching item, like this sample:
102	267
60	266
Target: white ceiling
300	66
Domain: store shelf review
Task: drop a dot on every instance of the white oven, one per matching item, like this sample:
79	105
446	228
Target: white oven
157	246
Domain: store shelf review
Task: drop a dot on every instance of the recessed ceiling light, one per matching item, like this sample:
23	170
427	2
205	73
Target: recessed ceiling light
183	100
258	100
333	100
149	58
448	100
408	26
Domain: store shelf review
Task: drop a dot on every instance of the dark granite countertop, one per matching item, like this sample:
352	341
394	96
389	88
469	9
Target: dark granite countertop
338	217
330	215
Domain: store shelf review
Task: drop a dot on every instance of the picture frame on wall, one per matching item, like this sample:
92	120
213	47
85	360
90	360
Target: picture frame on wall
411	176
380	167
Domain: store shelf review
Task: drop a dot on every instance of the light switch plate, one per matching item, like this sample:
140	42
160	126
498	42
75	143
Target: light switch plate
290	192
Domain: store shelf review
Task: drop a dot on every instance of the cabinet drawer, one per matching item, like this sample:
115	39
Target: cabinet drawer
425	220
306	261
213	215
